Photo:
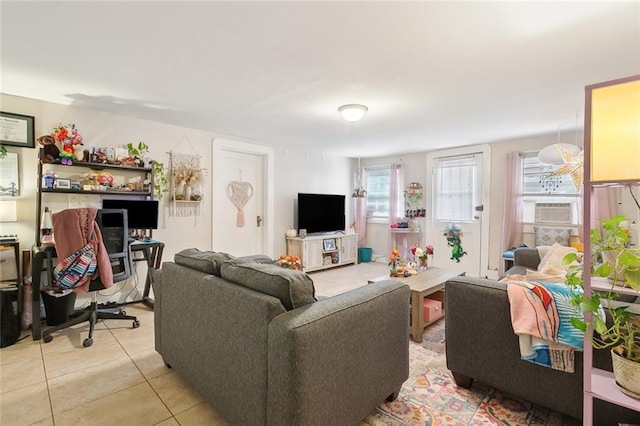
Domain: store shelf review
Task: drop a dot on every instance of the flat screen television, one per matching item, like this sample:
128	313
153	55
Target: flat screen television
321	212
142	214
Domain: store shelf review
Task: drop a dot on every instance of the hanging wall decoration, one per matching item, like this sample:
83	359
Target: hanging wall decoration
187	178
239	193
453	233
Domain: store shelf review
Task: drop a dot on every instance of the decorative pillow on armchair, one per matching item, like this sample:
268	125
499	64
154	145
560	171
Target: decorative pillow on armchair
552	262
549	236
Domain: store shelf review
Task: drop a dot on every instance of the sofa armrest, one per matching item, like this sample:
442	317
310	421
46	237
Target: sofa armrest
157	306
348	352
527	257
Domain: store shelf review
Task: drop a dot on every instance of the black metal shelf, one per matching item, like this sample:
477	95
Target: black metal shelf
82	191
100	166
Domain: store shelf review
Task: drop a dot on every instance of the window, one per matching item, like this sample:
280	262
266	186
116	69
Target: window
454	184
557	199
378	183
378	191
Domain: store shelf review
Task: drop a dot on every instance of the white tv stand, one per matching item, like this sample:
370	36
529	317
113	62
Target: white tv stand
324	251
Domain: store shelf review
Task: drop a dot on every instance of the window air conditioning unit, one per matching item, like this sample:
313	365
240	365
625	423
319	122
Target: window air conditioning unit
559	213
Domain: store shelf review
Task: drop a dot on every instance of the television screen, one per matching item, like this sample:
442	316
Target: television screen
142	214
321	212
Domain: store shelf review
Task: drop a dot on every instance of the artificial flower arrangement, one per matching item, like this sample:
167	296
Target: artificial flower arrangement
289	262
68	136
399	266
422	255
186	175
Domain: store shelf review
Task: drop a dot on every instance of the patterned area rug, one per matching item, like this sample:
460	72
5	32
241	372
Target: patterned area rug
430	396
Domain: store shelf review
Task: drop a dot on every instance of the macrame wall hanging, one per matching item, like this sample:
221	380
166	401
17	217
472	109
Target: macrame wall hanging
186	178
239	193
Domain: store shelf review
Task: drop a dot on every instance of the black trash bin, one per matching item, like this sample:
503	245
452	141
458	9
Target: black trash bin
58	308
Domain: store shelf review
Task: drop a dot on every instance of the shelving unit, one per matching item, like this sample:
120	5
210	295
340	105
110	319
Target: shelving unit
324	251
611	157
143	173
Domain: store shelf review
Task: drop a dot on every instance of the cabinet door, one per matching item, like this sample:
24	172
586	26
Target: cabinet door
349	249
312	257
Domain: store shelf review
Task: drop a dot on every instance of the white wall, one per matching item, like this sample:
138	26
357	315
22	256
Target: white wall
295	171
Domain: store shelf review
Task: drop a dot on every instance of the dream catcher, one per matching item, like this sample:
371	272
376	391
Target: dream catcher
239	193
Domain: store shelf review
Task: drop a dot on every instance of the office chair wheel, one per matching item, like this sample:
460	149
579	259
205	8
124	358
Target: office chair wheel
136	324
123	312
47	338
87	342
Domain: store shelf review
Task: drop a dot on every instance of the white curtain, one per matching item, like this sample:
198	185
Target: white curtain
604	205
512	207
361	210
396	193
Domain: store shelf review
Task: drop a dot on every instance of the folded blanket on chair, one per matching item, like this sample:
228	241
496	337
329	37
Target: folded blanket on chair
541	317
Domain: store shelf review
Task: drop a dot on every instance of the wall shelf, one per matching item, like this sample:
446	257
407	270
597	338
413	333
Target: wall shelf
143	173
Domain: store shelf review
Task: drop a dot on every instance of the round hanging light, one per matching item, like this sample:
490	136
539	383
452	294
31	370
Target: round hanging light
352	112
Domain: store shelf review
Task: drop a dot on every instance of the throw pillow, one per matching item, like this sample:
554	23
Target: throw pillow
549	236
208	262
552	261
293	288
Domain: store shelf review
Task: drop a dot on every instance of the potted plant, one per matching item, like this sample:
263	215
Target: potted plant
614	325
160	180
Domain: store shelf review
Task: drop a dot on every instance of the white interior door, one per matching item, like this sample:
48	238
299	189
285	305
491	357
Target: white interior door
459	199
240	222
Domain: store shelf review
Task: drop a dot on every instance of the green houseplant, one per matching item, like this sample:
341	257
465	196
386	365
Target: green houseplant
612	256
160	181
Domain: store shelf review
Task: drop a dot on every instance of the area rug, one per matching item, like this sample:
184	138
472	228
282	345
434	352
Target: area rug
430	396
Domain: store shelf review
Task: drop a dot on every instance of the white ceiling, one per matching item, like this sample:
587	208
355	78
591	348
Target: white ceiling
433	74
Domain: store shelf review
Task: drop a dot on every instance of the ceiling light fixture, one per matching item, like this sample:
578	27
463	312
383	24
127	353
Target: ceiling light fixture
352	112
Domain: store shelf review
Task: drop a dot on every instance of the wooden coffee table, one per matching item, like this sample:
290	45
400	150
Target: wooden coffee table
423	284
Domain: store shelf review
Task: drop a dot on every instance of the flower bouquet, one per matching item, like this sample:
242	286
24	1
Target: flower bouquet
422	256
69	137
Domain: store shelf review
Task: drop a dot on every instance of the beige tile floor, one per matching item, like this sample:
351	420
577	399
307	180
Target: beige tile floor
120	379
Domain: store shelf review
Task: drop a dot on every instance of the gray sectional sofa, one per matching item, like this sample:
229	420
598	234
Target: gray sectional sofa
481	345
253	341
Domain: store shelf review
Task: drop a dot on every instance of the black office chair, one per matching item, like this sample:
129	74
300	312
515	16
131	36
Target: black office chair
113	226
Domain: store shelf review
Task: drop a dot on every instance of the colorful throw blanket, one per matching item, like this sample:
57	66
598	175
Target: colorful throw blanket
541	317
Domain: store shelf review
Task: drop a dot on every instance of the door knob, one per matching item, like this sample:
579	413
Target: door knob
259	220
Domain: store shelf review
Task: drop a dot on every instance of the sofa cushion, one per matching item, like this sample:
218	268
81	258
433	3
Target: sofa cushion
205	261
293	288
255	258
549	236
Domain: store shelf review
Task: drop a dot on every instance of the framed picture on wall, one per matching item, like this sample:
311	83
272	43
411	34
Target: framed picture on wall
17	130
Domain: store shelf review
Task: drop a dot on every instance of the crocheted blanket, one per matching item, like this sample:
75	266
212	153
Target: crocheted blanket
541	317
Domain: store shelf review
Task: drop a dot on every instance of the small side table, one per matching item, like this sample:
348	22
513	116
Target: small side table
400	239
507	259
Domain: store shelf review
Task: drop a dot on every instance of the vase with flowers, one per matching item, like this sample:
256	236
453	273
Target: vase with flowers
69	138
422	255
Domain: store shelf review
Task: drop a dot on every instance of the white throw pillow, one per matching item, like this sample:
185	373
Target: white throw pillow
552	260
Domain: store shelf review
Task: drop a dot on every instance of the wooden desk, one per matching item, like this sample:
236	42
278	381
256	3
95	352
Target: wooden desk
152	254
